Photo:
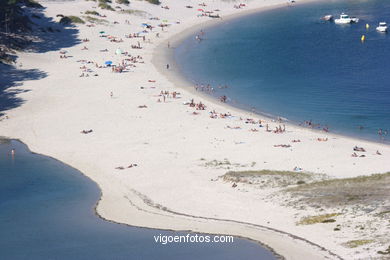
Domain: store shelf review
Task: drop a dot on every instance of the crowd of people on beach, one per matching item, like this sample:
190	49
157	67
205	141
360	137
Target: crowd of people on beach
138	40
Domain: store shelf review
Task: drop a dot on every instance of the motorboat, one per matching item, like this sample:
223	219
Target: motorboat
382	27
345	19
328	17
354	20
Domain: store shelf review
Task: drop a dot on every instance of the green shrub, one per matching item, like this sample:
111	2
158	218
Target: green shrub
71	19
92	13
124	2
106	6
95	20
134	12
155	2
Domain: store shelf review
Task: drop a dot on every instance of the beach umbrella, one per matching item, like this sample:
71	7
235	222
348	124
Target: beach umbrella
201	10
145	24
101	32
108	62
118	51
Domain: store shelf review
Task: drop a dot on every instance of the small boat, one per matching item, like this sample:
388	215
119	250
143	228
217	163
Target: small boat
382	27
354	20
345	19
328	17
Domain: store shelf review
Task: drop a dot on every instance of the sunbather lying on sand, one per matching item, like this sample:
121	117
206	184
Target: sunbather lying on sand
282	145
87	131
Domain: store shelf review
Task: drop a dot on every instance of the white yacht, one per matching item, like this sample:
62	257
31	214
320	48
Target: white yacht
382	27
345	19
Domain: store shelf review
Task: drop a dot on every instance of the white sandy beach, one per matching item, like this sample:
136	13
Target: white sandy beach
172	186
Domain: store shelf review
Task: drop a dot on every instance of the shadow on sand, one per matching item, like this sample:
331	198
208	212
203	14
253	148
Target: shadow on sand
45	35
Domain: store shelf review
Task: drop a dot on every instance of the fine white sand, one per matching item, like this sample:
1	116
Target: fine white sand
171	187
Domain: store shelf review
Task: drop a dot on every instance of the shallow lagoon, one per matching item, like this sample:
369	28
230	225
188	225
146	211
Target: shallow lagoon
47	212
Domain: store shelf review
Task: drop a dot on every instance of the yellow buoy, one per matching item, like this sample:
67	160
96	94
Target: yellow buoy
367	26
363	38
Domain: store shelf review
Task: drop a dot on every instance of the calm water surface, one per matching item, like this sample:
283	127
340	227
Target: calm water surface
47	212
287	62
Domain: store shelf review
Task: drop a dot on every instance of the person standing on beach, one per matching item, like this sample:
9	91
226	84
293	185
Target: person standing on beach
111	94
167	66
169	46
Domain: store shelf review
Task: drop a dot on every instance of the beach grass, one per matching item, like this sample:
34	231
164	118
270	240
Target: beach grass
95	20
271	178
357	243
371	191
105	4
155	2
124	2
71	19
92	13
134	12
266	172
324	218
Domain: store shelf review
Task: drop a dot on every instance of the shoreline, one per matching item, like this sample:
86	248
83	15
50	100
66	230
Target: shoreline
153	194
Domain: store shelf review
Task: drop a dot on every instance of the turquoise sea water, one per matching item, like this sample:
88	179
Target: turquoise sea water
287	62
47	212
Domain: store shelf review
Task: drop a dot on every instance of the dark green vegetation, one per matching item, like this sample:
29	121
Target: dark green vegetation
13	22
71	20
92	13
124	2
12	18
95	20
105	4
155	2
385	252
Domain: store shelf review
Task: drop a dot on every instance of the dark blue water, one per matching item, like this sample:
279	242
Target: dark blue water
287	62
47	212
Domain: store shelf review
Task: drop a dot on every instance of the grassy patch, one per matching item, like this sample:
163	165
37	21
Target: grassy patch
352	181
155	2
71	19
124	2
357	243
270	178
92	13
370	192
266	172
95	20
310	220
106	6
134	12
